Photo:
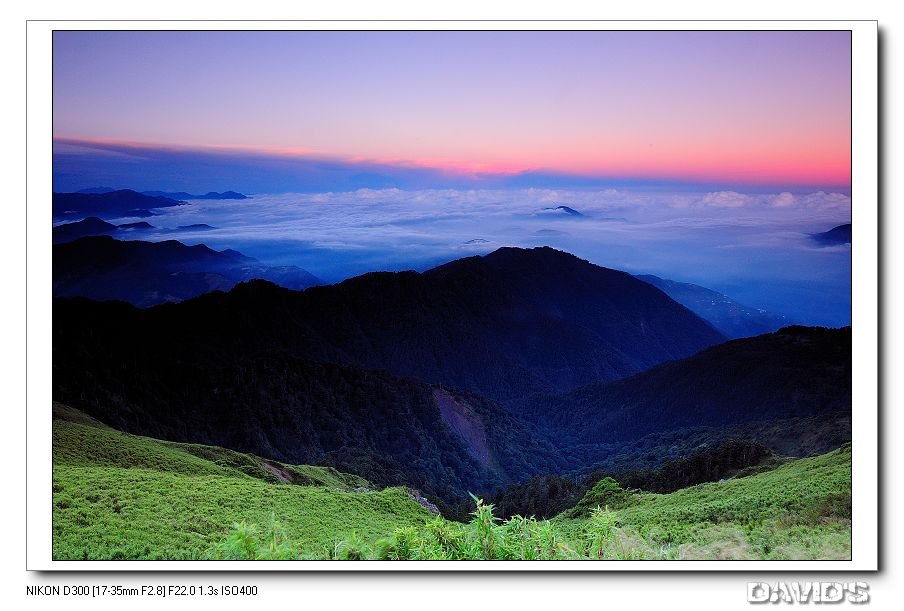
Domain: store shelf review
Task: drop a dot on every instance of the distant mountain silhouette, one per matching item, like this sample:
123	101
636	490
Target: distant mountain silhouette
792	373
835	236
141	225
177	195
182	195
90	226
732	319
150	273
111	204
93	226
195	227
564	210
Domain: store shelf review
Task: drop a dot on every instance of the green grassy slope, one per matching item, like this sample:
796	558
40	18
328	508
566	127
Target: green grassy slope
119	496
799	510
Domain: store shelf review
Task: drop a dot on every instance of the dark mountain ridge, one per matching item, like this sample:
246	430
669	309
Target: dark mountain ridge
150	273
565	209
177	195
794	372
732	319
834	237
507	325
110	204
182	195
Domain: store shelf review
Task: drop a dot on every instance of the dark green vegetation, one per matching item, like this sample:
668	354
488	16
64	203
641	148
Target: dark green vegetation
793	373
798	511
469	378
316	376
548	495
119	496
389	430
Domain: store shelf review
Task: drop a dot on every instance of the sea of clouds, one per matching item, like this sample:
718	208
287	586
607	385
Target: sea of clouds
755	247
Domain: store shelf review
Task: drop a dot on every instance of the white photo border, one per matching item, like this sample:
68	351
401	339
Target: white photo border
864	286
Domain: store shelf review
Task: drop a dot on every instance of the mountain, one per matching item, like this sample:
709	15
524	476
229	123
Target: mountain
545	496
564	210
177	195
732	319
121	488
506	325
111	204
359	375
93	226
114	362
834	237
149	273
117	496
431	379
182	195
86	227
796	372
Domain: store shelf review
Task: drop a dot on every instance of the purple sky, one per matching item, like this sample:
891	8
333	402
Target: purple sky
741	108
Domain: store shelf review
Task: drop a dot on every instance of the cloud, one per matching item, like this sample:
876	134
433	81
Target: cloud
756	251
725	199
783	200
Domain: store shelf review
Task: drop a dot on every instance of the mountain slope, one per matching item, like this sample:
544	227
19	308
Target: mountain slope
149	273
732	319
113	491
389	430
795	372
506	325
294	376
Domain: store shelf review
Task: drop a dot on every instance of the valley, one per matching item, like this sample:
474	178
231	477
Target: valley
472	377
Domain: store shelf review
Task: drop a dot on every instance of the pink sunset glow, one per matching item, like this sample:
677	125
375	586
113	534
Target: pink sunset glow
746	107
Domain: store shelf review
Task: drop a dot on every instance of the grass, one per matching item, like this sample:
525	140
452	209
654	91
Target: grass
799	510
115	513
120	496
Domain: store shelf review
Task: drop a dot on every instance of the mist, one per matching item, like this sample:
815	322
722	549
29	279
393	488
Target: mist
754	247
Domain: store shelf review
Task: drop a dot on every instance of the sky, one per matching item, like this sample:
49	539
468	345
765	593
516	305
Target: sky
704	157
722	108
